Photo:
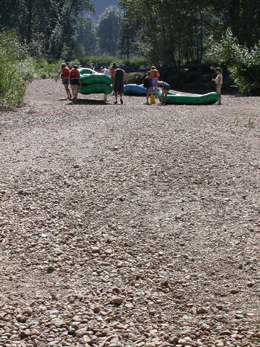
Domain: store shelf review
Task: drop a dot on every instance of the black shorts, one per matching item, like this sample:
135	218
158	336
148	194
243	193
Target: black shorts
74	81
65	80
119	88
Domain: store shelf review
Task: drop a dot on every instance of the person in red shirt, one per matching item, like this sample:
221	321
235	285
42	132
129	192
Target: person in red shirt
75	81
155	78
69	66
65	72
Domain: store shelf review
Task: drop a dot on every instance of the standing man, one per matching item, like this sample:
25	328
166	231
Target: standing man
118	83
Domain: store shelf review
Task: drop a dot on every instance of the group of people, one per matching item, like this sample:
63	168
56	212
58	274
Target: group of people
152	82
70	75
118	75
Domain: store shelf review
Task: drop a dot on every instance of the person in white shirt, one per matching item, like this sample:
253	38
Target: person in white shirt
219	82
105	71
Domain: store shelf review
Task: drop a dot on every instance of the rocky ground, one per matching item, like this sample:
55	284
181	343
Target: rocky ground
129	225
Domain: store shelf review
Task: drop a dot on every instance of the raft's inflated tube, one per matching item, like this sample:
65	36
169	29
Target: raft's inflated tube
135	89
95	88
89	76
191	99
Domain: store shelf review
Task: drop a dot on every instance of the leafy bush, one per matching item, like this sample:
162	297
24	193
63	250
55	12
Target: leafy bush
244	64
49	69
16	70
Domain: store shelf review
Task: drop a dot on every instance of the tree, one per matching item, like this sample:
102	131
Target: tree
242	63
87	35
47	26
128	39
108	30
241	17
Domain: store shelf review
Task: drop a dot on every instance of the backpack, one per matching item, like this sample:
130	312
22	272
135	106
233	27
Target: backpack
146	82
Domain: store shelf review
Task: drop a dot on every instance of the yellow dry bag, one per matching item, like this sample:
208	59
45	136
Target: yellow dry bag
152	99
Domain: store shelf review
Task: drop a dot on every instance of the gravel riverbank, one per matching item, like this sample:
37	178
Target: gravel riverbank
129	225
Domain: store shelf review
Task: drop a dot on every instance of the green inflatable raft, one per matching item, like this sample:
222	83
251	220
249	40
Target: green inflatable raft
191	99
94	82
95	88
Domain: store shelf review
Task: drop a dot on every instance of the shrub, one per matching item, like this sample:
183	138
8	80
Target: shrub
244	64
16	70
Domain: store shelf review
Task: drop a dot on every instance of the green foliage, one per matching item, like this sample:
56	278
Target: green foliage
45	69
48	27
132	64
87	35
49	69
108	28
16	70
244	64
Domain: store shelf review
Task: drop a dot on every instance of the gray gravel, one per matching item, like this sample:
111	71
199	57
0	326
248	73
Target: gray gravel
129	225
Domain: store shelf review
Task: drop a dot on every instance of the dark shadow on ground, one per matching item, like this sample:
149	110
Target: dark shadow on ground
90	102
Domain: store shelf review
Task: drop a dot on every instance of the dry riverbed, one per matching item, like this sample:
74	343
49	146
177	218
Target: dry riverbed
129	225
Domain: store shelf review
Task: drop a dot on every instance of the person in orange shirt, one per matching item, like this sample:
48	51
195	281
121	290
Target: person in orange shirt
65	72
69	66
155	78
75	81
111	71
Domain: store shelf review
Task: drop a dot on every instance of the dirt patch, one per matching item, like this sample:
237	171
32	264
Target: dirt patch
129	225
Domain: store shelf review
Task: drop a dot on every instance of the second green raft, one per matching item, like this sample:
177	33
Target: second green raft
191	99
94	82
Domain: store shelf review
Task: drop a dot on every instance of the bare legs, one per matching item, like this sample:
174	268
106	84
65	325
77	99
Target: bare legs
219	91
164	97
148	94
66	87
74	88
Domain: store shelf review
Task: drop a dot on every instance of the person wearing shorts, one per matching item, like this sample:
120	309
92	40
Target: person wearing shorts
219	82
65	72
118	83
148	85
75	81
155	77
165	89
105	71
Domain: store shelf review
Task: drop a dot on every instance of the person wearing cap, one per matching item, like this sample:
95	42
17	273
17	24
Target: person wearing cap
65	72
75	81
118	83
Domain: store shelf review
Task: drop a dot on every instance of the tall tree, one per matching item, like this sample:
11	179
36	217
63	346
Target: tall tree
108	30
48	24
87	35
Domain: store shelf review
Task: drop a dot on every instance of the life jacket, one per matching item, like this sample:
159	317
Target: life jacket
69	67
155	73
111	72
65	72
74	73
